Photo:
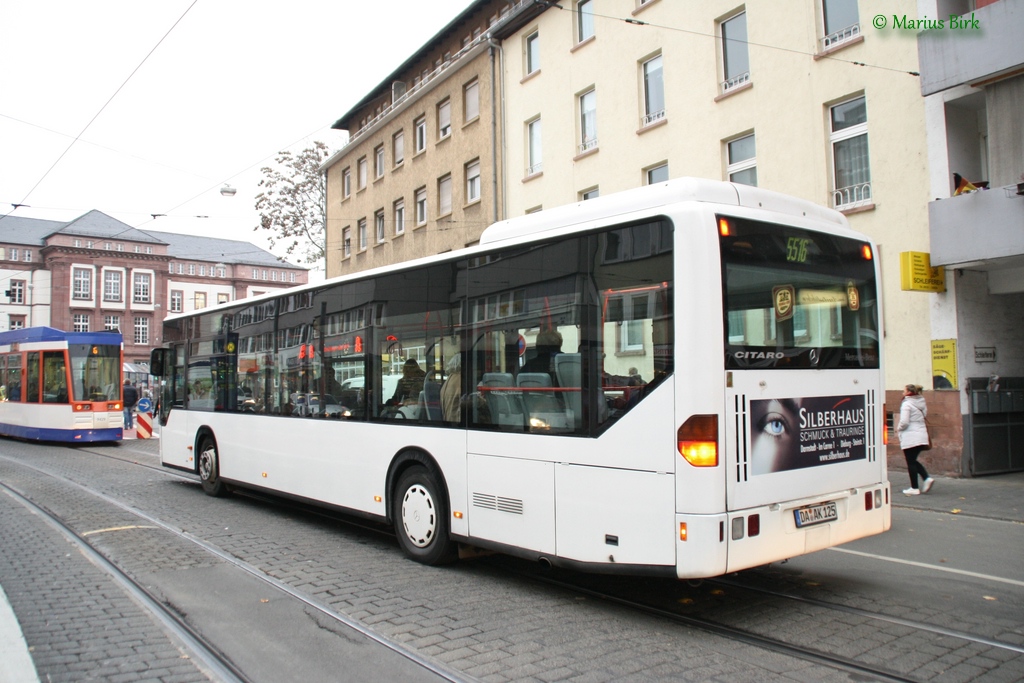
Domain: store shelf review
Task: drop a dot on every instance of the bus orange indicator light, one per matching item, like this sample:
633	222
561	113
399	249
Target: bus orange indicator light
698	440
457	514
264	474
724	227
682	531
885	429
377	499
866	252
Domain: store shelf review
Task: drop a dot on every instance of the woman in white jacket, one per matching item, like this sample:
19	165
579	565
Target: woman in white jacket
913	432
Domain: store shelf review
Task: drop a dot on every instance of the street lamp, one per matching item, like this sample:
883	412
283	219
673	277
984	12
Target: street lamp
227	190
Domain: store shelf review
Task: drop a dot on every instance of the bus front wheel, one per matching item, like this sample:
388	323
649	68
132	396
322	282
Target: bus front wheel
421	518
209	468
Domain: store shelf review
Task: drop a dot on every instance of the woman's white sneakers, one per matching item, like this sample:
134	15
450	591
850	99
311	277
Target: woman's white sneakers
925	488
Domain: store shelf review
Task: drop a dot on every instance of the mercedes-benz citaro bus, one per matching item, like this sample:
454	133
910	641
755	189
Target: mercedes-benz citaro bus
61	386
683	379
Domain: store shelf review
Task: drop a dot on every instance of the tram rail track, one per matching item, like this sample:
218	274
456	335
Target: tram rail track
208	652
810	654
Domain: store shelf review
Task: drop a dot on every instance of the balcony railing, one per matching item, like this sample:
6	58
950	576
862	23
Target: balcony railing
840	36
652	117
587	145
852	197
735	81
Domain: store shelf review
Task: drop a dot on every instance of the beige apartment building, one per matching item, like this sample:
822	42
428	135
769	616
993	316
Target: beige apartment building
820	100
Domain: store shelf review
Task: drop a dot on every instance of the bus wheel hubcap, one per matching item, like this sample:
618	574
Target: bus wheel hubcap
419	517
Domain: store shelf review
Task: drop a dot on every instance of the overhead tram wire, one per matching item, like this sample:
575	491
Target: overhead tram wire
105	105
638	22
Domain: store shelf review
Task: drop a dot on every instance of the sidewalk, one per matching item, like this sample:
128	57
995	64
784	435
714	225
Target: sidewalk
999	496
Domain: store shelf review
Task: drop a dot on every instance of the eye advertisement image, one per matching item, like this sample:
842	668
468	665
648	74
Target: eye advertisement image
793	433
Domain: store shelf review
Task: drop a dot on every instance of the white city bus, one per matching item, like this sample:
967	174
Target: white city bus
682	380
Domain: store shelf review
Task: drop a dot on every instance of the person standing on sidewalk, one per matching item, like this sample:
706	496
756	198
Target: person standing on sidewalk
913	433
131	397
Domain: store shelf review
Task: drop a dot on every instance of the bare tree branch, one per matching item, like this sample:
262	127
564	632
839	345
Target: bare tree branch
293	203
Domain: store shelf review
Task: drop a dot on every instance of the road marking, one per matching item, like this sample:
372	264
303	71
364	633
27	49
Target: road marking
1012	582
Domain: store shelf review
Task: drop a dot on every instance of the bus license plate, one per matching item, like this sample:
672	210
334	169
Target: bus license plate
816	514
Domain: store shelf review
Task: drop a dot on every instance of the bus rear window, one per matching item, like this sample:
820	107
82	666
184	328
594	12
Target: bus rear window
797	298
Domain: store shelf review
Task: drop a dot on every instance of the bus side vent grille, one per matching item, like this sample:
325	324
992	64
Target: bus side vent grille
742	455
487	501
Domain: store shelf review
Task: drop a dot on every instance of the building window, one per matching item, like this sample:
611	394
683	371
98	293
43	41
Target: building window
142	331
78	244
177	300
735	57
120	247
149	250
361	230
141	288
421	206
81	283
273	276
533	52
17	292
378	222
584	20
170	268
27	256
398	147
202	269
16	322
592	193
420	133
849	138
138	249
199	299
80	322
346	242
444	119
361	169
471	101
657	174
13	254
221	272
255	274
112	323
106	246
444	195
535	153
841	22
111	285
222	298
742	161
654	92
399	216
588	121
346	183
264	274
191	269
472	181
181	269
378	161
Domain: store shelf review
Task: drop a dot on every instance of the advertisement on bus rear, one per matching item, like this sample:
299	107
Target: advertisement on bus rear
794	433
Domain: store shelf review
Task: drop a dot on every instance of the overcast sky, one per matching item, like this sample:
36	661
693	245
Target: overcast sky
226	85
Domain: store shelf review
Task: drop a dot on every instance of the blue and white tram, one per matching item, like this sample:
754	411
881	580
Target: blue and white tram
61	386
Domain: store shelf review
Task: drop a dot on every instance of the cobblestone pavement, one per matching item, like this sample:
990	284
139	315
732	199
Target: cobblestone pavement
470	618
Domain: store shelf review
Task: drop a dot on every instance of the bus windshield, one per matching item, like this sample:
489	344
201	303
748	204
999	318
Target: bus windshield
797	298
95	371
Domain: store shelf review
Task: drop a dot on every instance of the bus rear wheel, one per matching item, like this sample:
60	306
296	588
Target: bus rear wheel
209	468
421	518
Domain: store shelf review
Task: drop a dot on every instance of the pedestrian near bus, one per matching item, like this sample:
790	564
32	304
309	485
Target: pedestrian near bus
913	433
131	397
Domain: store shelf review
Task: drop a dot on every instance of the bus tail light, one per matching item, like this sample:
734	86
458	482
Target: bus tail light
885	432
753	525
869	501
698	440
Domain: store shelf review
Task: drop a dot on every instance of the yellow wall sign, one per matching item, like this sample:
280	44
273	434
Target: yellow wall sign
944	364
917	274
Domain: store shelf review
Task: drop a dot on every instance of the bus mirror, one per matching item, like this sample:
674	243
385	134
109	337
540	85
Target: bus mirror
158	362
